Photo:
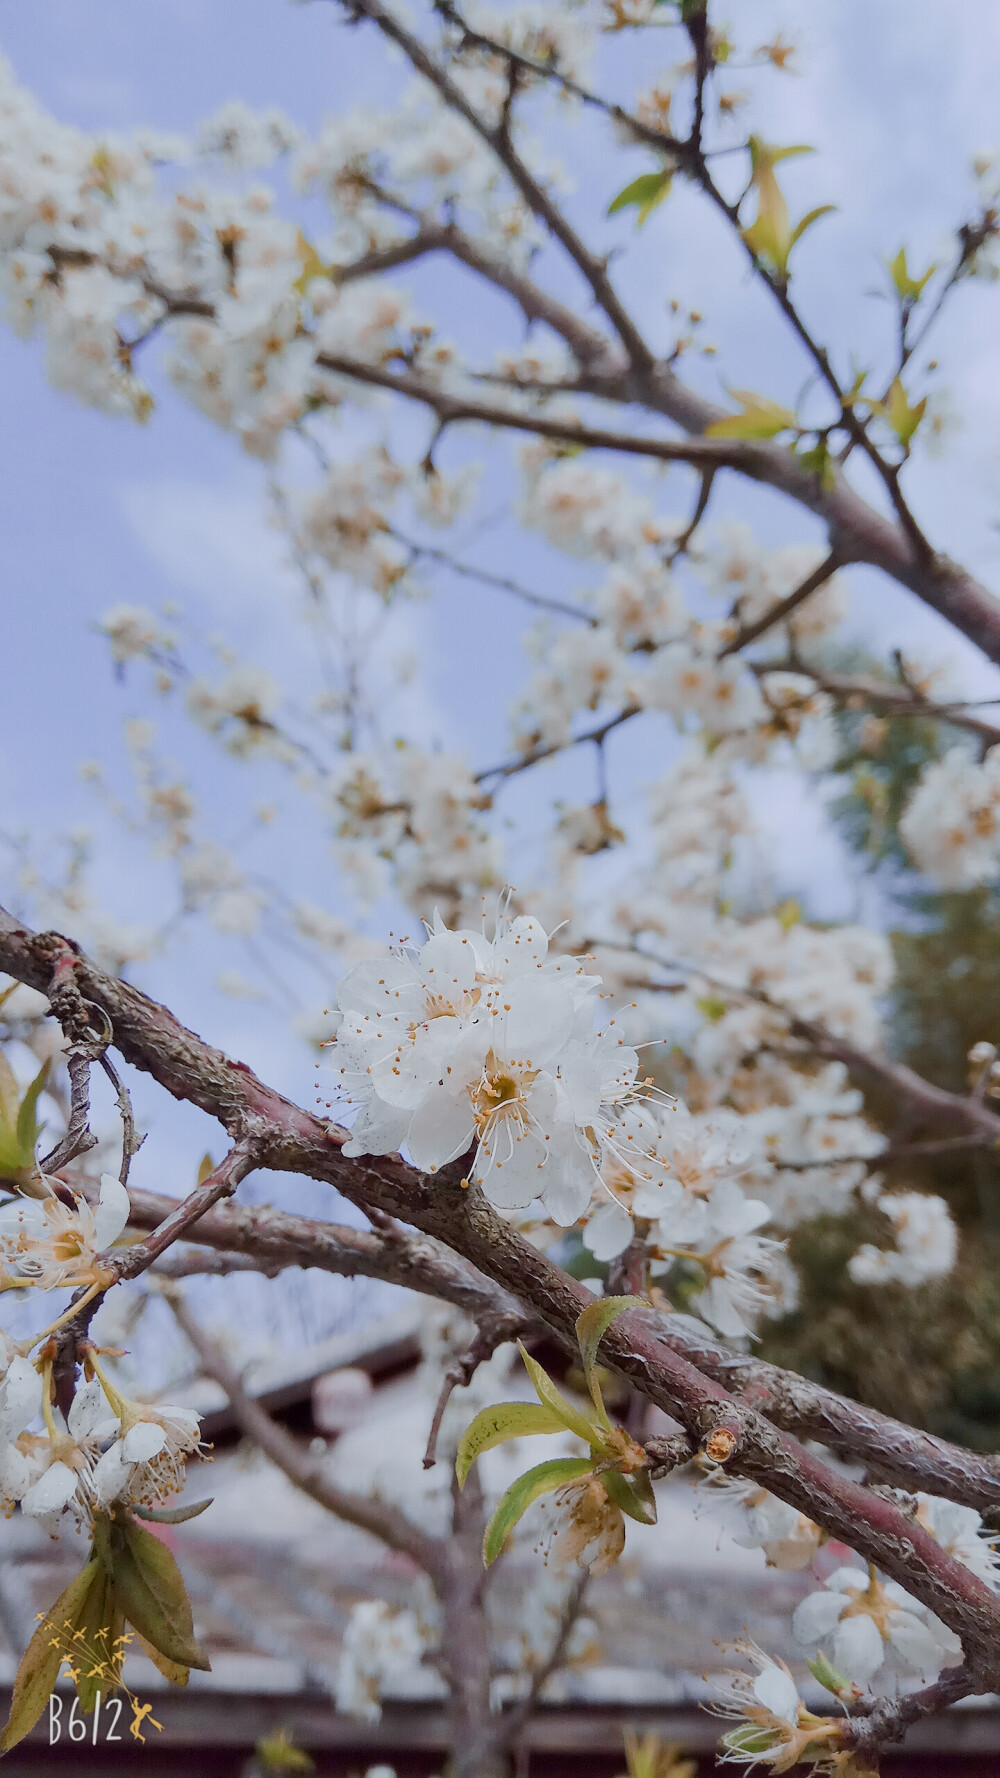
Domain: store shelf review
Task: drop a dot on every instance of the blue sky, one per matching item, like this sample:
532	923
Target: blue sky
92	510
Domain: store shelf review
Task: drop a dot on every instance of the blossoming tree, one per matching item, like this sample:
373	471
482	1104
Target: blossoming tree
513	1156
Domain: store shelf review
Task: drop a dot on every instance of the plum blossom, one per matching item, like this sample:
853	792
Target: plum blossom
926	1242
858	1617
951	824
382	1648
49	1244
774	1727
960	1531
486	1045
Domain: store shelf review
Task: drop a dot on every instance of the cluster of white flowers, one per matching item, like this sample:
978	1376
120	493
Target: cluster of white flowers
486	1048
382	1650
108	1448
951	825
926	1242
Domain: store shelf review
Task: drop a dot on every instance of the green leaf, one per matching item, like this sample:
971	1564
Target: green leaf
508	1419
511	1509
749	1740
761	418
591	1326
903	418
645	193
151	1593
172	1670
807	221
36	1677
633	1493
9	1095
908	288
172	1515
818	459
28	1127
551	1397
823	1670
95	1651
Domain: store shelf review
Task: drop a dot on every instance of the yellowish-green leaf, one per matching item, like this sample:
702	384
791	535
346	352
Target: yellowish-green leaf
312	265
807	221
770	236
551	1397
276	1753
28	1127
36	1677
591	1326
645	193
205	1166
96	1650
172	1670
494	1426
151	1593
826	1675
902	417
761	418
543	1479
648	1757
907	287
633	1493
819	460
10	1098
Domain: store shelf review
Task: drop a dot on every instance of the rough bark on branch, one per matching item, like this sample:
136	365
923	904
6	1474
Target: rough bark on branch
287	1137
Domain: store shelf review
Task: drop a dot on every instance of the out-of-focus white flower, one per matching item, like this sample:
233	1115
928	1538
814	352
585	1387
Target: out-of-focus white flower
926	1242
860	1616
951	824
960	1531
382	1648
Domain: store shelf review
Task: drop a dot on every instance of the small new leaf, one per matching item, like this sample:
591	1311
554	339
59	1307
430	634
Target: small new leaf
569	1417
771	237
36	1677
903	417
645	193
508	1419
312	265
826	1675
908	288
591	1326
633	1493
519	1496
19	1125
761	418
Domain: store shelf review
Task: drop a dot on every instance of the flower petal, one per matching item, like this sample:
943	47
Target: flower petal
609	1231
142	1441
112	1211
52	1491
857	1649
816	1616
777	1691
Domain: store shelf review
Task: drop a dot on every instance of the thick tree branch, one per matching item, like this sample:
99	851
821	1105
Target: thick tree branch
287	1137
273	1239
